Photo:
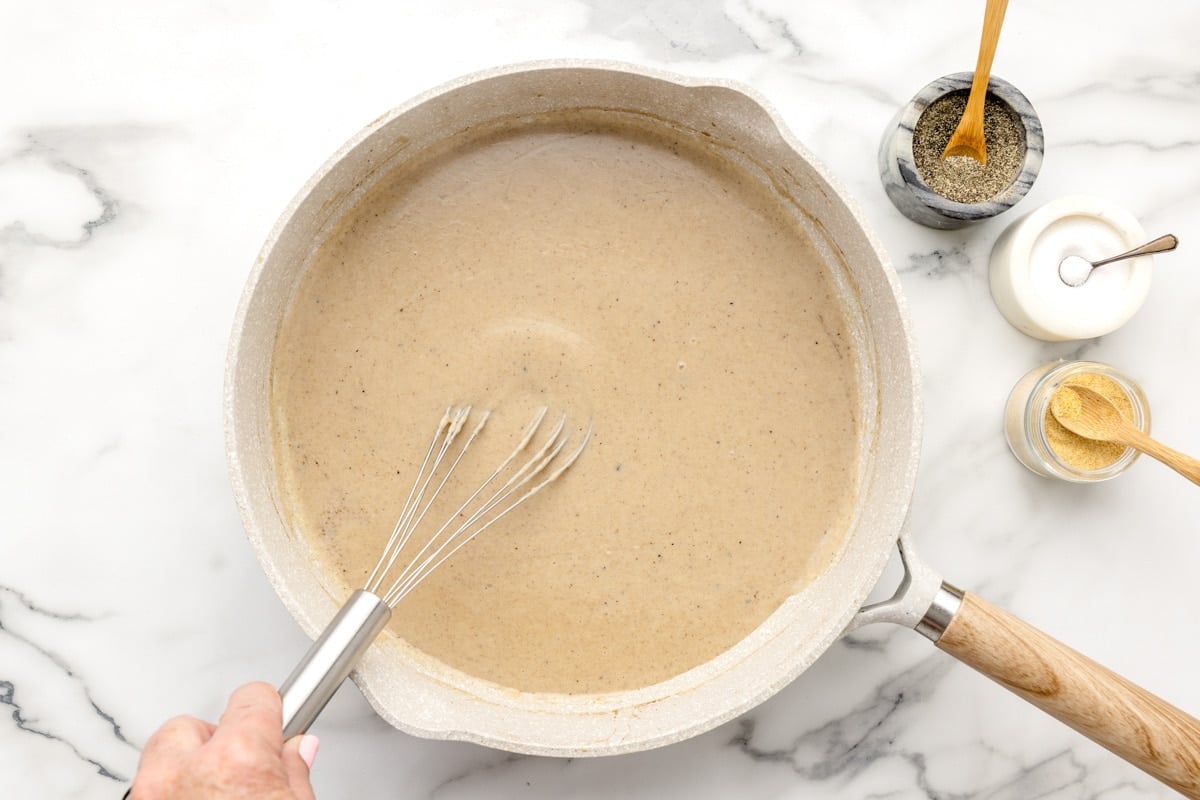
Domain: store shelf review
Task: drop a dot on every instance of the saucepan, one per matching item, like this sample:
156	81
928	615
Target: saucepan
427	699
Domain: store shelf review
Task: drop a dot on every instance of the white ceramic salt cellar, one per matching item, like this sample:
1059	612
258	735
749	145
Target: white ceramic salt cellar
910	192
1024	270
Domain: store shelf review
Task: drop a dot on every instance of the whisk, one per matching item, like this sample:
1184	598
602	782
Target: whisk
340	646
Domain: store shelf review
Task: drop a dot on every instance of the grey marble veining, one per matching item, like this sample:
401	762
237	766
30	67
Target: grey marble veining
37	171
144	155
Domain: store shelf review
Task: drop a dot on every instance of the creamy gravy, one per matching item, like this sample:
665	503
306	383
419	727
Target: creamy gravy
621	275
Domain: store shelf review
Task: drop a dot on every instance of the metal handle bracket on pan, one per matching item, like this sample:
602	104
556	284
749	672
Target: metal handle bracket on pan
913	598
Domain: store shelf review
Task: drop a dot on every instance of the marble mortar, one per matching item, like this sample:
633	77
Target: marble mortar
909	192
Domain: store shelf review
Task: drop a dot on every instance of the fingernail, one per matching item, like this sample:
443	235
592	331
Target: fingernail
308	749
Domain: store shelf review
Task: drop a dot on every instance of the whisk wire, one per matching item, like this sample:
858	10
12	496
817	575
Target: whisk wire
419	569
414	522
415	563
404	585
447	431
463	525
371	585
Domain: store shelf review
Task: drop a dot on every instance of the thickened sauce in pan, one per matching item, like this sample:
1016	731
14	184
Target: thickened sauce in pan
618	274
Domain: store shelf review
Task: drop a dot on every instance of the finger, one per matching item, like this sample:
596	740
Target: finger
169	748
177	738
298	755
255	710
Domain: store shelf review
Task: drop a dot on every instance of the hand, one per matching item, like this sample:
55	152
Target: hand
243	756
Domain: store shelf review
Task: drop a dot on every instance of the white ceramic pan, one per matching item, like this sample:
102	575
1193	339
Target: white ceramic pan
426	700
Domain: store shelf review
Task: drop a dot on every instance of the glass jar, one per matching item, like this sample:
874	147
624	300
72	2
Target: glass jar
1029	403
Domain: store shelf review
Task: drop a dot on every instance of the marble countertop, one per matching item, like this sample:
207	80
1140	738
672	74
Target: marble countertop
147	149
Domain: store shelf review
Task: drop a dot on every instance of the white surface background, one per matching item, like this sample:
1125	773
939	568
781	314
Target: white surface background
145	152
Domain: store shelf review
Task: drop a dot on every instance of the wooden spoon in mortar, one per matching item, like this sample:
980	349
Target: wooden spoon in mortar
1089	414
967	139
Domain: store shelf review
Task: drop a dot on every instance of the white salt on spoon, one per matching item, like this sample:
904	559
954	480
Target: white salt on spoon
1075	270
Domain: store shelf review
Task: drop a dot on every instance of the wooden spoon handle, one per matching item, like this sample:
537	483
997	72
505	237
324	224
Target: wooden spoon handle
1185	465
1138	726
993	19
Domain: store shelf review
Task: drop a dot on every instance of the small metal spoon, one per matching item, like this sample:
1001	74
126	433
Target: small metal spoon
1075	270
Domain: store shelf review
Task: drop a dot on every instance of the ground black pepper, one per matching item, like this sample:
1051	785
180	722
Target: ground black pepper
962	178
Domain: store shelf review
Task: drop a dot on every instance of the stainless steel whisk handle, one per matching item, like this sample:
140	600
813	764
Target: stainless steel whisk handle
330	660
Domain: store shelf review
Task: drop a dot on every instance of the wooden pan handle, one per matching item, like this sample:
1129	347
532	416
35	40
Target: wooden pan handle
1139	727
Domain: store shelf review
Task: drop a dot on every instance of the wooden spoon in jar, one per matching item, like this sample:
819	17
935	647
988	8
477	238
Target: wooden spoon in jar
1089	414
967	139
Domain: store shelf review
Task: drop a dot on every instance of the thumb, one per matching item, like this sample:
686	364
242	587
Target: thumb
298	755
